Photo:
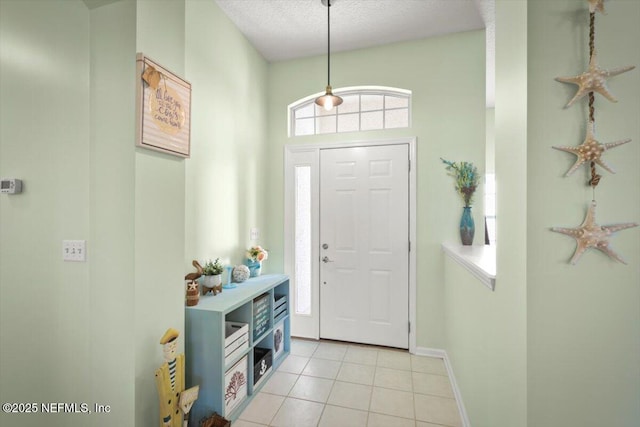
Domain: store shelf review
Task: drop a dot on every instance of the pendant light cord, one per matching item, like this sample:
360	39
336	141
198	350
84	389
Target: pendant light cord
328	43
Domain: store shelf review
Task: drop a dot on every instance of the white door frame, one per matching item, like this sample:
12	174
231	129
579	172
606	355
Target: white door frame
309	155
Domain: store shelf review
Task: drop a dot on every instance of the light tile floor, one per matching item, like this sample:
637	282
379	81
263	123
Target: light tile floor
330	384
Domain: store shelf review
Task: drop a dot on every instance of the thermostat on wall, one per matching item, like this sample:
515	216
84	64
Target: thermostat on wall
10	185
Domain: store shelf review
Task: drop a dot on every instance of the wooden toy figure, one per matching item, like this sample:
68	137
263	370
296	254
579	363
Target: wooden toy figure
170	381
193	294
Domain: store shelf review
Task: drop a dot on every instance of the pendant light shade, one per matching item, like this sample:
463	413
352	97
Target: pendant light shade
328	100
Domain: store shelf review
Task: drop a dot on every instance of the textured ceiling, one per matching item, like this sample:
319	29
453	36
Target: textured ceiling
288	29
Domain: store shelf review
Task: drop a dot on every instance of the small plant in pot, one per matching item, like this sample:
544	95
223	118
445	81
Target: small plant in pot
212	276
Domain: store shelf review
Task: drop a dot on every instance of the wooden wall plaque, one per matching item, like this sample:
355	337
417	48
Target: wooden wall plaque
163	108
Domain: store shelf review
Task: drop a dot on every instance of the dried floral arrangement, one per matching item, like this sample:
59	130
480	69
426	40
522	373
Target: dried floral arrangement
467	178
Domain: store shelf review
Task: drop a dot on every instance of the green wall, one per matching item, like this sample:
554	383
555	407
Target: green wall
89	332
486	332
584	320
159	216
446	75
45	304
111	241
555	345
226	189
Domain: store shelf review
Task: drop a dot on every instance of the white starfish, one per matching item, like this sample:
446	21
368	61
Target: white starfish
591	150
594	80
592	235
597	5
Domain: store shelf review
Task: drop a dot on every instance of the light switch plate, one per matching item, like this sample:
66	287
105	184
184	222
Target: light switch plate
74	250
254	233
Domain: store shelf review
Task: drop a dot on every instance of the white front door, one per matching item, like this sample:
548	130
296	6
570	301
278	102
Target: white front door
364	244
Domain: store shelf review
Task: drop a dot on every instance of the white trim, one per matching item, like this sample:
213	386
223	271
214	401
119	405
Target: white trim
290	150
442	354
355	89
479	260
308	326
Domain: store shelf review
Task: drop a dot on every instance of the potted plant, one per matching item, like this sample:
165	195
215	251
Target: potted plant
467	178
255	256
212	272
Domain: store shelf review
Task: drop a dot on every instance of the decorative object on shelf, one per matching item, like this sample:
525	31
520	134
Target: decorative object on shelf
193	295
592	235
163	109
170	381
192	277
212	279
596	5
467	226
467	178
255	256
593	80
215	420
229	284
255	267
591	150
240	273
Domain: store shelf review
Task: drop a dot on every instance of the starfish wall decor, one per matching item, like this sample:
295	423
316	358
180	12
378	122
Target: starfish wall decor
592	235
591	150
597	5
593	80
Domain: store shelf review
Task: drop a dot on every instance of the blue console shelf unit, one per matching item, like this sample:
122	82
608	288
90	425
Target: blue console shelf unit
262	303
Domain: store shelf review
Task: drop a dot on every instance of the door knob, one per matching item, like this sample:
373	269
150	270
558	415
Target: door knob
326	259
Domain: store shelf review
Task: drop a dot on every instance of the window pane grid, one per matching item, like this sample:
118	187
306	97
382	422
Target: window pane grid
374	110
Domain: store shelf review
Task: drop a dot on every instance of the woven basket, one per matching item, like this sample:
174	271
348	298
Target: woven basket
215	420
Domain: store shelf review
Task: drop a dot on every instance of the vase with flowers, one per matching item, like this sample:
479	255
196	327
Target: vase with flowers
466	177
255	256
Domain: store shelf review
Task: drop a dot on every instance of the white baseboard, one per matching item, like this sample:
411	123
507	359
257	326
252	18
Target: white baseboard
442	354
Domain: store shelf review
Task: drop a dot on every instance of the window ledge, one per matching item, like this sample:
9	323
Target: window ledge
479	260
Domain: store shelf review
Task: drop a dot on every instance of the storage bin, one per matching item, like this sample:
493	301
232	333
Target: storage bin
263	362
236	340
278	340
261	315
280	307
235	385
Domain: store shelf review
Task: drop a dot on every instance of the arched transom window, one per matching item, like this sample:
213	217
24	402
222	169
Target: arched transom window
364	108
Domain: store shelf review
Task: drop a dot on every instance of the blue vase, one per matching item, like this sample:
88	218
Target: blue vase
254	268
467	227
229	284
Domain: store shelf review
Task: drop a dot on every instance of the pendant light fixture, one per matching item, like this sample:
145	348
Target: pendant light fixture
328	100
